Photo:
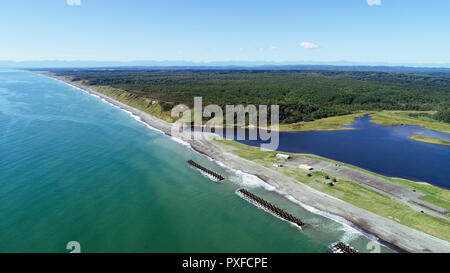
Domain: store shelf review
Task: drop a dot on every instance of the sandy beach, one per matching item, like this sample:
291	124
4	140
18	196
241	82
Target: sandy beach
389	232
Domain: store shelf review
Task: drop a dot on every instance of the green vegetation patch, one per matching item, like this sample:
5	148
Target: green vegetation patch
152	107
419	118
324	124
432	140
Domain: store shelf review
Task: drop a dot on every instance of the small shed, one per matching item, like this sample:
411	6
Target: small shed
283	156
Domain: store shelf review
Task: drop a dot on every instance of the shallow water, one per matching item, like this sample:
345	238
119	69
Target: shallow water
73	168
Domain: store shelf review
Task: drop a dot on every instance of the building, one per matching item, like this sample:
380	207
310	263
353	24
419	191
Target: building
283	156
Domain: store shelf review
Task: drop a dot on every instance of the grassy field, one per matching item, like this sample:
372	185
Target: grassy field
325	124
385	118
392	118
434	195
356	194
432	140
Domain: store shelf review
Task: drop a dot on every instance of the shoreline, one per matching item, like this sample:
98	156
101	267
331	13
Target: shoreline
392	234
308	208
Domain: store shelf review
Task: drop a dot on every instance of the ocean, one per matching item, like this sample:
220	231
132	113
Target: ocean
75	168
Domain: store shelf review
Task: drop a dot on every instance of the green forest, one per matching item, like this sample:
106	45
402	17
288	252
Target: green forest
301	95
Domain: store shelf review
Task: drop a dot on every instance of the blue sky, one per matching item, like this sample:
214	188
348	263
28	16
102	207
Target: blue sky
387	31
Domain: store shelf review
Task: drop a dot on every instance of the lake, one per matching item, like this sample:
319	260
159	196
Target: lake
385	150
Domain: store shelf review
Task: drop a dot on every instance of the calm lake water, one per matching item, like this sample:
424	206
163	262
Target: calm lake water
74	168
383	149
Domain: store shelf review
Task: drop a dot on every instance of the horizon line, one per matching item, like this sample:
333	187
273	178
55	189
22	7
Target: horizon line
232	63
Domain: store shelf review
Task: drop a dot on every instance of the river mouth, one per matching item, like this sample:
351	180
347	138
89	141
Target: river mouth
385	150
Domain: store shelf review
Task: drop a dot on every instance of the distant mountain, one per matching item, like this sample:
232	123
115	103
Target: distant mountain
434	69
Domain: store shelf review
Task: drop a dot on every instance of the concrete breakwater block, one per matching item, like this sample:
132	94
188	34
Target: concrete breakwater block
272	208
198	166
341	247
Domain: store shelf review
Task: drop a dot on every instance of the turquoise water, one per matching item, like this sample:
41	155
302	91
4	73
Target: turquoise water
74	168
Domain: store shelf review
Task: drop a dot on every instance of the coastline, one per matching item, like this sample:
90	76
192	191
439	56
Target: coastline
390	233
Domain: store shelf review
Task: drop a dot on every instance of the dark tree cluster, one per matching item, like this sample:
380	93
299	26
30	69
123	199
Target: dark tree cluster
443	115
301	95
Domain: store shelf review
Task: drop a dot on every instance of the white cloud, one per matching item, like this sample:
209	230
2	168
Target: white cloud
73	2
374	2
308	45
